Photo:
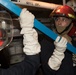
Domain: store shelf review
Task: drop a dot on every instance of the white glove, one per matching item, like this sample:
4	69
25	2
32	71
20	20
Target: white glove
26	19
30	41
58	55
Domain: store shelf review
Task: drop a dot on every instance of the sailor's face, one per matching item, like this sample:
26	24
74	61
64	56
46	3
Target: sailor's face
62	21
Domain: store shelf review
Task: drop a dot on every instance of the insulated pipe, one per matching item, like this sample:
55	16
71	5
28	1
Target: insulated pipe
38	4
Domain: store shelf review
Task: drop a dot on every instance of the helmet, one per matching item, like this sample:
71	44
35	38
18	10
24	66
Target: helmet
65	11
6	29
